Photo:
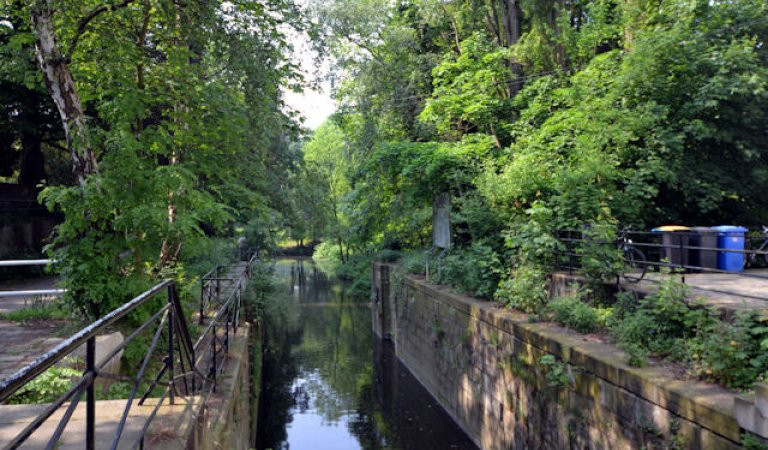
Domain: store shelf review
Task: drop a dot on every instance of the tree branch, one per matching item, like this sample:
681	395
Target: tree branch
82	25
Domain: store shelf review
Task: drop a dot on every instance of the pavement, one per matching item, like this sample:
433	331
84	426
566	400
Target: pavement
168	430
13	303
726	291
20	344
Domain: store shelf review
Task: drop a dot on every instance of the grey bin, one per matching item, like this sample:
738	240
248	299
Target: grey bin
703	237
672	242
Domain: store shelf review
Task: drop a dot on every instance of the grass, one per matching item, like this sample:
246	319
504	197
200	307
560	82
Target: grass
36	313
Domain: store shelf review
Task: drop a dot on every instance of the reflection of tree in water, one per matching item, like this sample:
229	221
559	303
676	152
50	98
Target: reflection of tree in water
282	331
320	360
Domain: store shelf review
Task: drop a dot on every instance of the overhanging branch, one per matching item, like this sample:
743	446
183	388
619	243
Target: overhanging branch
82	25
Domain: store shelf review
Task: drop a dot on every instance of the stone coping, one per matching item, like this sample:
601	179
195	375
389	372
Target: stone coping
708	405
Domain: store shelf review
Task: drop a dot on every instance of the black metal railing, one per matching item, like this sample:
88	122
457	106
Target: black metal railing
221	278
679	252
185	369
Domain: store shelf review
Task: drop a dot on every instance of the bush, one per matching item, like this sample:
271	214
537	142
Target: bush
414	261
388	255
46	387
572	312
475	270
732	354
662	322
525	289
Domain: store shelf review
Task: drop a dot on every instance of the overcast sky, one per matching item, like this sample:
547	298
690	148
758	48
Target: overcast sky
314	105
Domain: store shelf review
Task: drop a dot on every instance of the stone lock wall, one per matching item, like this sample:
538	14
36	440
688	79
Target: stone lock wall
510	383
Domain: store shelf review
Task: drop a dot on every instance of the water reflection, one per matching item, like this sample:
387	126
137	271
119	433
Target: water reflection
329	385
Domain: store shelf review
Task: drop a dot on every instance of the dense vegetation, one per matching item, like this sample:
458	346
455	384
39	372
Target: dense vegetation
156	127
538	116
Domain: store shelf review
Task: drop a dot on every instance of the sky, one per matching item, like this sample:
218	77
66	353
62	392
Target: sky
314	105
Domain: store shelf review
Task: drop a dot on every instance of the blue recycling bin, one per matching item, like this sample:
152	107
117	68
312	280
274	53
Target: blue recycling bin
730	237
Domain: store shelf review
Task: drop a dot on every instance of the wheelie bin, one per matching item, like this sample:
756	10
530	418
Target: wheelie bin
675	242
730	237
703	237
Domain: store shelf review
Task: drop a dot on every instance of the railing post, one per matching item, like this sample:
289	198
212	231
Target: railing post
213	350
90	396
681	260
226	331
202	301
218	284
171	317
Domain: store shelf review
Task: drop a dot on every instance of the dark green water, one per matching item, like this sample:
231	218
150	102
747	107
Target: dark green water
329	384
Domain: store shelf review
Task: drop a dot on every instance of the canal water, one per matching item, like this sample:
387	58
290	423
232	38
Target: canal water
329	384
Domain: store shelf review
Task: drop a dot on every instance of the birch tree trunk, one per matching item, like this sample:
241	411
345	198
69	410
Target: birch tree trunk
61	86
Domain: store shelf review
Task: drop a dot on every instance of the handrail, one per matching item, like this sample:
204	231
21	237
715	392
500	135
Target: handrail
197	373
11	384
26	262
32	292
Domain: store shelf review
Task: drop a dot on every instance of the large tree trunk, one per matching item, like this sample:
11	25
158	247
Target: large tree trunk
61	86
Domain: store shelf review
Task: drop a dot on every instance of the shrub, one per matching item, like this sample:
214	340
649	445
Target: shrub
572	312
732	354
525	290
46	387
475	270
662	322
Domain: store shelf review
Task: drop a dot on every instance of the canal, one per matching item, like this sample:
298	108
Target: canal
329	384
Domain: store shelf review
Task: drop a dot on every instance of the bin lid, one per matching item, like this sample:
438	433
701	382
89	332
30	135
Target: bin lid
671	228
730	229
704	229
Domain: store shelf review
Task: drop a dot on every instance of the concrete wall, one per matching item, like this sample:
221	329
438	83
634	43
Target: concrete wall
484	365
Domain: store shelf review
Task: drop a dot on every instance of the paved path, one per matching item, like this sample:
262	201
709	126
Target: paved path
20	344
166	430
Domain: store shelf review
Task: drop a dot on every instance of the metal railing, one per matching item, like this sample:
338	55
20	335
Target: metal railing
670	252
220	278
185	369
34	292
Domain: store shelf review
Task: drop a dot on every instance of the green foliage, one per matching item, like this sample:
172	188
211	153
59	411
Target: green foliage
752	442
470	88
574	313
475	270
46	387
662	322
601	260
525	289
733	354
557	373
184	118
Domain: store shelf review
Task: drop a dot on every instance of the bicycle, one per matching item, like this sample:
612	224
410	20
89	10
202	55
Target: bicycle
753	255
636	263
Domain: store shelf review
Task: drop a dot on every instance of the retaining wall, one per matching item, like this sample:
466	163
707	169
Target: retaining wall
486	367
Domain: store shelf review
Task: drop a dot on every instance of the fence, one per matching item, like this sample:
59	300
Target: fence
29	293
185	369
682	253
